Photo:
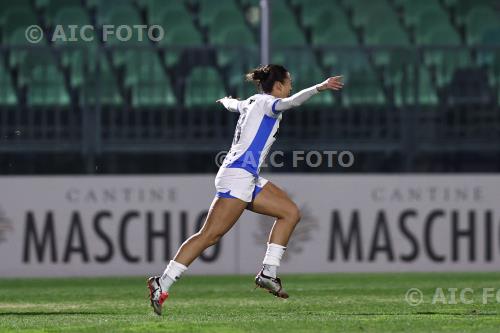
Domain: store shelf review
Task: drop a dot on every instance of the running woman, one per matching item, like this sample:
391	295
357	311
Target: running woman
239	186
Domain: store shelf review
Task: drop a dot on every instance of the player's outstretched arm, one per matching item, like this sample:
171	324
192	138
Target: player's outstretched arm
231	104
332	83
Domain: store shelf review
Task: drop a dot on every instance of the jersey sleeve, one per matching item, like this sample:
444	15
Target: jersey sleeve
274	106
230	104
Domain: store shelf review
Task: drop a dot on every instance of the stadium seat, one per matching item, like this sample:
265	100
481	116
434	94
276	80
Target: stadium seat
209	9
478	21
490	58
17	17
340	61
287	36
52	9
413	9
203	87
379	12
304	76
429	19
404	89
338	35
5	4
174	18
101	86
177	38
147	80
362	87
70	15
387	36
225	21
17	39
310	15
7	93
226	42
283	17
119	15
442	34
155	9
392	35
44	82
464	7
445	61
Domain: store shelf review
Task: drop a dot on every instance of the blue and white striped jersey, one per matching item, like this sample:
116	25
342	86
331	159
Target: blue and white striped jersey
257	127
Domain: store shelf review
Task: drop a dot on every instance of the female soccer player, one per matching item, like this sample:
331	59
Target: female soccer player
239	186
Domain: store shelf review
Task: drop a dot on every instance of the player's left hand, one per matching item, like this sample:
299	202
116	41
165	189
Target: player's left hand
333	83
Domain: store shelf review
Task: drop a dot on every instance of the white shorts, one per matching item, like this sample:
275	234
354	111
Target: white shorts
238	183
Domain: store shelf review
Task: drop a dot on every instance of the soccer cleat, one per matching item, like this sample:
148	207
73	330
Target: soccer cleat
156	295
273	285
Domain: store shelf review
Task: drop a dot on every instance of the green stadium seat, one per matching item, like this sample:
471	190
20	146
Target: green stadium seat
79	54
404	91
362	87
17	38
345	61
392	35
490	58
238	36
360	4
203	87
287	36
283	17
174	18
119	15
147	80
442	34
71	15
225	21
338	35
52	8
178	37
7	93
428	19
387	36
157	8
413	9
6	4
101	86
464	7
324	11
305	72
17	17
209	9
379	12
478	21
445	61
43	80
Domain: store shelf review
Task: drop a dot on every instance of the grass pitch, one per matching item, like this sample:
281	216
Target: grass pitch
317	303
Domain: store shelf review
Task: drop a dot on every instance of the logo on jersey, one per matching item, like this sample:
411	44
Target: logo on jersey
302	234
5	226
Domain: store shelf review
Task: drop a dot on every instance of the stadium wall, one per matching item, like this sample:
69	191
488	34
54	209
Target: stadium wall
96	226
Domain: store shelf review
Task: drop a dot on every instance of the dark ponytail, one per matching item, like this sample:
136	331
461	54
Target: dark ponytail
265	76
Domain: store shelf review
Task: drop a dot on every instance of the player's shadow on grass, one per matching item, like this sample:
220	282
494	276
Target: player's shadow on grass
52	313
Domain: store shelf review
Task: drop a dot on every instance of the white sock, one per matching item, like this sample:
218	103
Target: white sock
171	274
272	259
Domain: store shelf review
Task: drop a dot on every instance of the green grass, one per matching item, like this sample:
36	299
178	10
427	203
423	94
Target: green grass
317	303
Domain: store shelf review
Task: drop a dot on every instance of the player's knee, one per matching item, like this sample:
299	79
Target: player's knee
294	214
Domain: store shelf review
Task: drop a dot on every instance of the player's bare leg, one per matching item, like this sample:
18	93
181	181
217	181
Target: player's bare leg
273	201
222	215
